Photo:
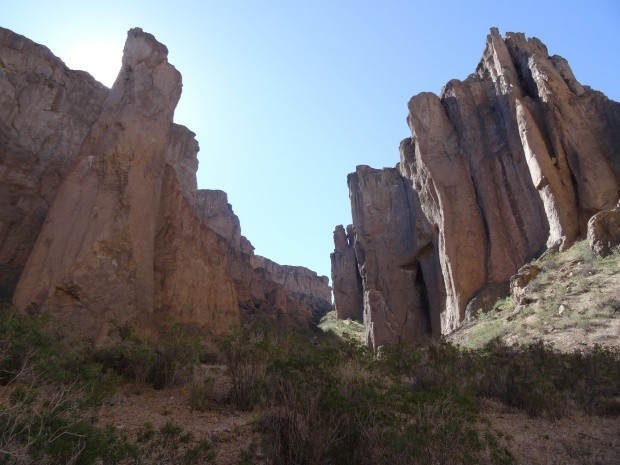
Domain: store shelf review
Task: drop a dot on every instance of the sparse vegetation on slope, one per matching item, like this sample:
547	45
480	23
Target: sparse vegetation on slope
574	302
50	392
346	329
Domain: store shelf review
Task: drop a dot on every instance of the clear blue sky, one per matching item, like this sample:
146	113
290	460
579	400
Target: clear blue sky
287	97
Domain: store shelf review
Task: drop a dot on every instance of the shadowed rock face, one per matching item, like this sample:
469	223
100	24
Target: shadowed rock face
513	159
46	110
395	307
128	238
348	290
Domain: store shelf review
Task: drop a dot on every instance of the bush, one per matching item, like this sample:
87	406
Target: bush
176	354
46	424
246	353
25	345
161	363
170	444
332	403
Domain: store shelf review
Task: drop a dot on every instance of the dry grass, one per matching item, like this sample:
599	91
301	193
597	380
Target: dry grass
347	329
575	303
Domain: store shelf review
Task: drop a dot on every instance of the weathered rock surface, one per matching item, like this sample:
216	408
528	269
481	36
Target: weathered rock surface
519	282
128	237
95	253
395	303
515	158
297	279
46	110
604	232
348	290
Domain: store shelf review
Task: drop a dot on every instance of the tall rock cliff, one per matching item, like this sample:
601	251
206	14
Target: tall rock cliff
127	236
46	110
514	159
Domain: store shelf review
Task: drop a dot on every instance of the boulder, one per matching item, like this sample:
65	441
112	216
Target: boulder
520	281
604	232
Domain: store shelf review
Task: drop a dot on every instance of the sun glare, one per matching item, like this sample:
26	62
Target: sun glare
101	59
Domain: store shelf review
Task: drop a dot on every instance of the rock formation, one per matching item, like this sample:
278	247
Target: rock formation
127	236
604	232
513	159
46	110
348	289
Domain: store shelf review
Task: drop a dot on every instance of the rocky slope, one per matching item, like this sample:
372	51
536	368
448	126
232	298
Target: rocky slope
512	160
570	300
101	218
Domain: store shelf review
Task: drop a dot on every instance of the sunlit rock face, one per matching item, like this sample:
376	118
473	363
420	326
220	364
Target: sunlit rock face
514	159
102	221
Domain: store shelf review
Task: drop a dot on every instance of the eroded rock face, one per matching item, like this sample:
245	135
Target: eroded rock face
513	159
348	290
395	305
192	280
95	252
128	237
297	279
46	110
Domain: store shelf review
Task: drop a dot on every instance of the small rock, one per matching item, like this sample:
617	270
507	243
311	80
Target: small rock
519	282
562	309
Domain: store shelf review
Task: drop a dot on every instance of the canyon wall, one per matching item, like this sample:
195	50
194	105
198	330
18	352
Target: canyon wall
512	160
101	220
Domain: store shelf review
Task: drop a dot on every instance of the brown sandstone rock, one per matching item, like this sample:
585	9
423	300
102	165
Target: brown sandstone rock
519	282
347	282
128	238
395	306
46	111
517	156
94	255
192	281
604	232
297	279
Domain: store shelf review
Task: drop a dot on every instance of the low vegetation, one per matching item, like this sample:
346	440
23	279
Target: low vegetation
573	303
53	390
316	400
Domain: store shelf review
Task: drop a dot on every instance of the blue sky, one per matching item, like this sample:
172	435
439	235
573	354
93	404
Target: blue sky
287	97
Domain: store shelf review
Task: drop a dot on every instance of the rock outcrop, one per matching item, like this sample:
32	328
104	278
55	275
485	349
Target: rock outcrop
395	302
127	236
513	159
46	110
347	282
604	232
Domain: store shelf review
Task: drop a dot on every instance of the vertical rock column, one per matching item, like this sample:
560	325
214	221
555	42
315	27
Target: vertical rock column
394	310
93	261
347	282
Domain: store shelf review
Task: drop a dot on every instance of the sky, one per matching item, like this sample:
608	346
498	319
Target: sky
288	97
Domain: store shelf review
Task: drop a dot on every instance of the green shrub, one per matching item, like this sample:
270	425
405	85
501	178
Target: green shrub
330	402
46	424
26	348
161	363
170	444
176	353
246	353
200	394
